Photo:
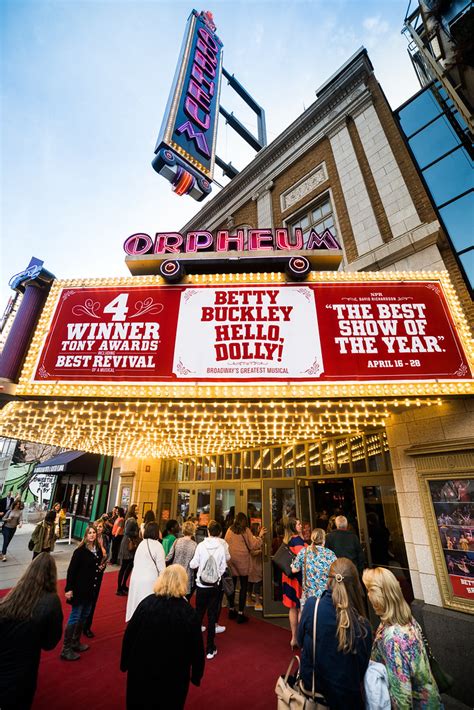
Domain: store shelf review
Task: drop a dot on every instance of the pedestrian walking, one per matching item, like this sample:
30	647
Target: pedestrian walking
314	562
12	520
182	552
59	521
210	562
6	503
128	546
102	543
30	621
148	563
44	536
292	586
398	644
343	639
81	585
345	543
241	545
158	674
117	535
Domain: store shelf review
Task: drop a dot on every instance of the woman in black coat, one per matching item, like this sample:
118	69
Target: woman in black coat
343	639
128	546
82	582
162	647
31	619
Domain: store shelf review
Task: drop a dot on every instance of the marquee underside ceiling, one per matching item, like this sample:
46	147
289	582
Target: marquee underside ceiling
179	428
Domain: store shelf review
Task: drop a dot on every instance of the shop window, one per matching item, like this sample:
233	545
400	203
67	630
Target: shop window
433	141
458	217
85	499
375	453
288	462
319	217
422	109
357	445
246	467
450	176
237	465
256	459
300	460
342	456
314	459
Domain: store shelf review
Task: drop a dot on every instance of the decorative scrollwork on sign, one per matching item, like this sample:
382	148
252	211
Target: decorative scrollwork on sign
67	294
182	369
189	293
89	308
147	306
43	372
461	371
305	292
314	369
351	298
433	287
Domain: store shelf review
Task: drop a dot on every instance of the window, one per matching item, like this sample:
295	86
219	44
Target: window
433	141
320	217
449	177
458	217
418	112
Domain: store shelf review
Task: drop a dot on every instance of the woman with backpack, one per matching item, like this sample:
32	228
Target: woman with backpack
210	561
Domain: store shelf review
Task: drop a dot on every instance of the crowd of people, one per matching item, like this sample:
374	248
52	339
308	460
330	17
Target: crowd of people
176	581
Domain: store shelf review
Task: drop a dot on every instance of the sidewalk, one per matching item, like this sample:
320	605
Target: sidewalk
19	557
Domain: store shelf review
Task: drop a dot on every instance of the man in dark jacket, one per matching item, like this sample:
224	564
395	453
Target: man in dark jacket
6	503
345	543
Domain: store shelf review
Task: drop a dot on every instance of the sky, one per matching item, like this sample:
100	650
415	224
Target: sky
84	85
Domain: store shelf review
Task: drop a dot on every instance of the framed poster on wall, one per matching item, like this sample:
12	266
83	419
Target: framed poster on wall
452	502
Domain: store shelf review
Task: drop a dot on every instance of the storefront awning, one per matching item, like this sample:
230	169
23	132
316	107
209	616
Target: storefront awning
58	463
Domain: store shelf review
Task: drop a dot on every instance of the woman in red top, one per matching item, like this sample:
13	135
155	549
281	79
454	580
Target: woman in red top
292	588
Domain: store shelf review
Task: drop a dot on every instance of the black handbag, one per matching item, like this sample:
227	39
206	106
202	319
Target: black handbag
283	558
444	681
31	545
227	583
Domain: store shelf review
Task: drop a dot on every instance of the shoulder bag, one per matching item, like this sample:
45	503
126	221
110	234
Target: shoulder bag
444	681
154	561
291	693
227	583
283	559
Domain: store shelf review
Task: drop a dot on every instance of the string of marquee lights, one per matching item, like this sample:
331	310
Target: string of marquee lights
180	428
156	391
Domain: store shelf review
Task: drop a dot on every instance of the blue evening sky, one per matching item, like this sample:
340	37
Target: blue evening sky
84	85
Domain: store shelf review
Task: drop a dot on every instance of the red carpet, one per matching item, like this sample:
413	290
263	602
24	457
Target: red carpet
243	674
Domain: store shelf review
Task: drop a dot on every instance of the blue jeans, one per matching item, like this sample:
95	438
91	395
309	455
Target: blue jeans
7	536
79	613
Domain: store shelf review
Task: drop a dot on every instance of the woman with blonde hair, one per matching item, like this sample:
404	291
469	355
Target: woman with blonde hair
398	644
182	552
314	562
166	615
343	639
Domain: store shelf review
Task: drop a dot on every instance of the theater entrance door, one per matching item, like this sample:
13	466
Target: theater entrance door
278	502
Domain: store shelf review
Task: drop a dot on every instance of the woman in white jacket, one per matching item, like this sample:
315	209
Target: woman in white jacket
149	562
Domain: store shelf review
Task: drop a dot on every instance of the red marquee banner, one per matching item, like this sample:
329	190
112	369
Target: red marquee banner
325	332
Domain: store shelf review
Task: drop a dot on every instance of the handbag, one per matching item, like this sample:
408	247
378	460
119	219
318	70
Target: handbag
31	545
227	583
444	681
291	693
283	559
132	544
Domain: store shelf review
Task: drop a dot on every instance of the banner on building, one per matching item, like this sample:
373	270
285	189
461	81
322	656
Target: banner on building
385	331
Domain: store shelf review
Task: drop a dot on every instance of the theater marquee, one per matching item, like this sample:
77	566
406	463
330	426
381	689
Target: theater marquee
335	331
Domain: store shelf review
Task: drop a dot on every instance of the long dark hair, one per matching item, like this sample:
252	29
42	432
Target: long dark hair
347	598
132	512
40	577
240	524
149	517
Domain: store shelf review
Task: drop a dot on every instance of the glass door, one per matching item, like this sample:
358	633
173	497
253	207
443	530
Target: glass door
278	503
224	498
381	529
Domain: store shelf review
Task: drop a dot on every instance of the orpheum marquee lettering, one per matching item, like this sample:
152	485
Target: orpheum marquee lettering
224	241
326	332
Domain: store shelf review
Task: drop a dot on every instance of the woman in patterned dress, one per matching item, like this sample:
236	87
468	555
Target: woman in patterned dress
398	644
314	562
292	585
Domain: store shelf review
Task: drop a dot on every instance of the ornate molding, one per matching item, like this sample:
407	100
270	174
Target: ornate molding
304	186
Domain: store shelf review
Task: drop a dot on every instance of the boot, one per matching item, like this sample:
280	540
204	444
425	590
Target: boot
67	653
76	639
